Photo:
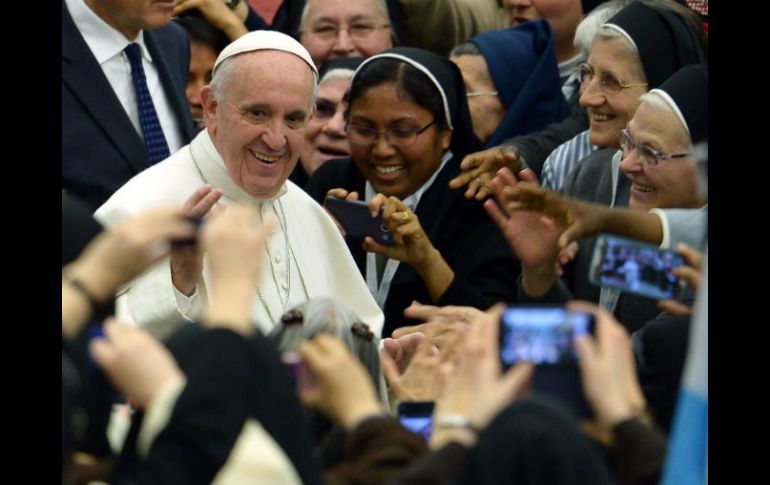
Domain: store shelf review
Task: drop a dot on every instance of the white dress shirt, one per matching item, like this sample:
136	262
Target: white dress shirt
107	46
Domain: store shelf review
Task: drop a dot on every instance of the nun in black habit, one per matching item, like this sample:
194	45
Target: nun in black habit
409	127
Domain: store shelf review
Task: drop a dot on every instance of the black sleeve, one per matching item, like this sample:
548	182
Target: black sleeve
559	293
207	418
376	449
536	147
443	466
638	453
486	270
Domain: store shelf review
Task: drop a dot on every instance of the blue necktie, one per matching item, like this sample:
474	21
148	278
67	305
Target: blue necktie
157	149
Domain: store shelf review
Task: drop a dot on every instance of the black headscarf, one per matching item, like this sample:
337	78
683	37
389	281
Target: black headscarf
663	39
534	440
445	75
522	64
687	92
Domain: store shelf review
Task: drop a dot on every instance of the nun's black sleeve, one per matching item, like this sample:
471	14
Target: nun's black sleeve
638	453
375	450
536	147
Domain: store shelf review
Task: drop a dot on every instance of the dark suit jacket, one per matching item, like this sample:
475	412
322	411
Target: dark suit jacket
485	267
101	149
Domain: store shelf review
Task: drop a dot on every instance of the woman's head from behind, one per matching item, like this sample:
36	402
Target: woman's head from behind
317	315
406	107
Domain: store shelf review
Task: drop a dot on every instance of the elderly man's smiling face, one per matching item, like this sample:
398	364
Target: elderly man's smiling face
257	119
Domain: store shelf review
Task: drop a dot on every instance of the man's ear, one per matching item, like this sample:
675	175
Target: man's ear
209	105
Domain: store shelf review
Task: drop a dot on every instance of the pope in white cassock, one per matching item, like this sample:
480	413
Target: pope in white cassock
256	109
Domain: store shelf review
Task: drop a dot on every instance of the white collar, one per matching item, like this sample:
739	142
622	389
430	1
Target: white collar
412	200
212	169
104	40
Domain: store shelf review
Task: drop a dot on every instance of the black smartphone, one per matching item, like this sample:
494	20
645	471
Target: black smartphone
635	267
299	372
544	335
186	242
417	417
355	218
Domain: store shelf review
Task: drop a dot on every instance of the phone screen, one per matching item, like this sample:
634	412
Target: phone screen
417	417
635	267
541	335
545	336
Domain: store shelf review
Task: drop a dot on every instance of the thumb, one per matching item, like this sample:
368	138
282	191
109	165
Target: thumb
101	351
572	233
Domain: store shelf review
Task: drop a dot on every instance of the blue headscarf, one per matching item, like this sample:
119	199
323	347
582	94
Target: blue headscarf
522	63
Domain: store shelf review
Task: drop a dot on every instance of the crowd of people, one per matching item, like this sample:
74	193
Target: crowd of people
219	325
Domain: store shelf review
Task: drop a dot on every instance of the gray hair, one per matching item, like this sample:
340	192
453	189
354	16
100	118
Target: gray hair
589	26
303	17
224	73
466	48
318	315
338	73
654	100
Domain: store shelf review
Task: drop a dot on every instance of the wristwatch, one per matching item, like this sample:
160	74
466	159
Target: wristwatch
232	3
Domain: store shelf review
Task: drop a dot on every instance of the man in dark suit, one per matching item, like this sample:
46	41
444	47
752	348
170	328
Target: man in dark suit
103	144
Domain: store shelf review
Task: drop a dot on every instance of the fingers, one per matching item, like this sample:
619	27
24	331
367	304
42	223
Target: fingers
517	379
496	214
674	307
689	275
528	175
390	371
693	257
401	331
202	200
339	193
393	349
378	201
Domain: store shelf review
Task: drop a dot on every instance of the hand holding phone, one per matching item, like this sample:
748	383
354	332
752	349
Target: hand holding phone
635	267
544	335
355	218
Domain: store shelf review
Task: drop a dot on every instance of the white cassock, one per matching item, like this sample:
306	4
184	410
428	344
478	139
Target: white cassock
318	263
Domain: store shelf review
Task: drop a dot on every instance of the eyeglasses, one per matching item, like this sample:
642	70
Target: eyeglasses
359	30
609	83
647	155
402	137
490	93
325	109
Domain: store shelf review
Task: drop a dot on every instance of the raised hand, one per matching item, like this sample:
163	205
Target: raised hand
187	261
235	246
478	169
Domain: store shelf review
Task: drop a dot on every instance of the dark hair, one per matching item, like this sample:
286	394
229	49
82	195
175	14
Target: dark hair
411	85
200	30
465	49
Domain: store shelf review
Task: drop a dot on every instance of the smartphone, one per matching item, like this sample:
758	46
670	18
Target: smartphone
544	335
355	218
417	417
299	373
635	267
186	242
